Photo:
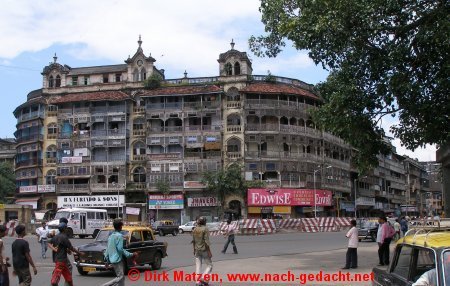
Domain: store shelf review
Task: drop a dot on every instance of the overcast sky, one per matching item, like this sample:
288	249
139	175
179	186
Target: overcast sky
180	35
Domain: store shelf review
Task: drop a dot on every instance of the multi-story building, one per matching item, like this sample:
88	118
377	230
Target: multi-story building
443	157
417	186
8	150
434	198
97	137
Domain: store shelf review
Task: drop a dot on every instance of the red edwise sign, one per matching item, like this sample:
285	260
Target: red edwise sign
288	197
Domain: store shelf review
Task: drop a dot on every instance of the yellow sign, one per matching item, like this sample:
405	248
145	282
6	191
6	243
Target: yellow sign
2	206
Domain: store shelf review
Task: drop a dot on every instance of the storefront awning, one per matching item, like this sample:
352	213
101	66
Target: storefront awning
28	202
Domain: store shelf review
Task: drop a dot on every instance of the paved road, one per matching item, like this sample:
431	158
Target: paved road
180	252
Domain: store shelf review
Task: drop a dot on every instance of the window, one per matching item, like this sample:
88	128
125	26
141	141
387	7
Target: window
58	81
237	69
403	261
135	236
252	166
135	75
75	80
52	129
118	77
91	215
425	262
50	178
86	80
100	215
50	81
143	74
139	175
446	258
147	235
228	69
105	78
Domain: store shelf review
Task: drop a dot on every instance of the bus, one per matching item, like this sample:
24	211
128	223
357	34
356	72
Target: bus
82	222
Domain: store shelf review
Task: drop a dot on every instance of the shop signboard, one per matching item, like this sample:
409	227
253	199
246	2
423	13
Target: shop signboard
202	202
288	197
165	201
94	201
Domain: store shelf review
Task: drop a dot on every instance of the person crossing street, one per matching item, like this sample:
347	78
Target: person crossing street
42	233
229	232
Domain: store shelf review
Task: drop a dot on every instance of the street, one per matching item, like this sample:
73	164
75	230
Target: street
256	254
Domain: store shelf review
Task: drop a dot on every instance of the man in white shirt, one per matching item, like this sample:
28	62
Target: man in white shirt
429	278
351	260
42	233
229	233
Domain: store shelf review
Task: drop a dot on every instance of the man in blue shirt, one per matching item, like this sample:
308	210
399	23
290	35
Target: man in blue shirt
114	253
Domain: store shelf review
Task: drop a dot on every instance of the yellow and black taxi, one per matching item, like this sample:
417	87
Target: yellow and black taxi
136	239
422	257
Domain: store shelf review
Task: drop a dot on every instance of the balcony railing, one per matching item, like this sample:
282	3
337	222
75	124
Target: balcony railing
234	128
31	115
110	158
108	132
68	188
27	138
139	157
233	104
233	155
31	162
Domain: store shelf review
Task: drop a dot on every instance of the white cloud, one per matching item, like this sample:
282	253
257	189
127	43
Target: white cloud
190	34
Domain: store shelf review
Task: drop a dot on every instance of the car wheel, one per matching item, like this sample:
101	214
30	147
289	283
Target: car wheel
174	233
69	233
94	235
81	271
157	261
373	237
181	230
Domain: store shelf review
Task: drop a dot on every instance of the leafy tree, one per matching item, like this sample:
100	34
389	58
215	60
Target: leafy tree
163	186
227	182
152	82
385	57
7	181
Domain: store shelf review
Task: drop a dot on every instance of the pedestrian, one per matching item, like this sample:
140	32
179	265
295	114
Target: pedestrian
351	258
22	258
61	246
397	228
114	253
53	233
42	234
229	234
384	237
4	261
404	225
202	251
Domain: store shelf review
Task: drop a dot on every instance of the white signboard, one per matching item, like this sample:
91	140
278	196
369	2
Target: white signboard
202	202
133	211
46	189
103	201
81	152
28	189
71	160
365	201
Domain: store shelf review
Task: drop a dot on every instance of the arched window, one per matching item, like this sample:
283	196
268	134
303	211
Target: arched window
58	81
234	119
50	81
52	129
237	69
51	152
233	94
139	148
228	69
139	175
234	145
143	74
135	75
50	178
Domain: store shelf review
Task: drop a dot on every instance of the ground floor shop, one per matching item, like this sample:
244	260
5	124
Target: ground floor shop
288	203
165	207
199	205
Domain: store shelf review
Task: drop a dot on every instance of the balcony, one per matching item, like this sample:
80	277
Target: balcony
72	188
139	158
164	156
233	155
139	109
30	116
234	128
30	138
110	158
139	133
29	163
108	132
233	104
107	187
137	186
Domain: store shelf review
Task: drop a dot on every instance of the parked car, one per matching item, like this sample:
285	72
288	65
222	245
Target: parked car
163	227
418	252
367	230
136	238
213	226
187	227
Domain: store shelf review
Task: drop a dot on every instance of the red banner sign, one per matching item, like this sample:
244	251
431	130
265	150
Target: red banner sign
288	197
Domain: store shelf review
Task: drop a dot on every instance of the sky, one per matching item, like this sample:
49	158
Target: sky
180	35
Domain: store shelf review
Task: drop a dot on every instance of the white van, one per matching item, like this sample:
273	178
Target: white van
82	222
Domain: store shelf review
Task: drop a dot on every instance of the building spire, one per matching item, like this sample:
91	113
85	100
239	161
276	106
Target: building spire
232	44
140	41
185	74
55	58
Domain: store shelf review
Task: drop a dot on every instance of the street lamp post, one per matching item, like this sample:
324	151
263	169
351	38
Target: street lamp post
354	183
314	179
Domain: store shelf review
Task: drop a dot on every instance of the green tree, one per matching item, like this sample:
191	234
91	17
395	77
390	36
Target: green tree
229	181
7	181
152	82
385	57
163	186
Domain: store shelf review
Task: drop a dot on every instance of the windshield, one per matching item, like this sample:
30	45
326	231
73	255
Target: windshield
62	215
104	234
446	260
366	224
